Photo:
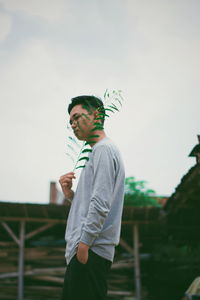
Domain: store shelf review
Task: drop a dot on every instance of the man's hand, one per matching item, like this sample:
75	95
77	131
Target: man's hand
66	184
82	253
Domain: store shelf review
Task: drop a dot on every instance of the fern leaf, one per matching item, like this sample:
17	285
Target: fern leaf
112	103
93	136
85	115
72	139
100	118
87	150
113	106
97	127
109	110
103	115
105	93
83	158
90	142
118	101
83	166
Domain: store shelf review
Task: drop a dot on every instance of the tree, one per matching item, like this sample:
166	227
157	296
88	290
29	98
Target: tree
137	194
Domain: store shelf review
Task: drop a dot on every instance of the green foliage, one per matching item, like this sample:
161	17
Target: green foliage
176	253
137	194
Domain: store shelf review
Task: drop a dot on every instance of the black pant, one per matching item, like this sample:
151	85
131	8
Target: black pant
86	281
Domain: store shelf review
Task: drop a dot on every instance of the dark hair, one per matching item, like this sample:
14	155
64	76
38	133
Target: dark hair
89	103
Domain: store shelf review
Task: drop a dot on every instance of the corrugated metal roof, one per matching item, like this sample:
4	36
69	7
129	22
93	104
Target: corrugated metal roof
33	211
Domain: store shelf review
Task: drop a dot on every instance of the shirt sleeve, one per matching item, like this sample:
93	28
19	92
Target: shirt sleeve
100	202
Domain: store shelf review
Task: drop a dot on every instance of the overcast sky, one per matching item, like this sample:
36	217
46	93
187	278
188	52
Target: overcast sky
52	50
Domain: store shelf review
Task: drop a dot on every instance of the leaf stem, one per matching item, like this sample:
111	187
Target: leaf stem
79	157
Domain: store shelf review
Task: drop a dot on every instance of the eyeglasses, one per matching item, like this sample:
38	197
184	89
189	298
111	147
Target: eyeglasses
76	117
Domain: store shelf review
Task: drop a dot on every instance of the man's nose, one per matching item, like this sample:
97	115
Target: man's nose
73	124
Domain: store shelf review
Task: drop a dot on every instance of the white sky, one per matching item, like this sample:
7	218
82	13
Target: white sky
53	50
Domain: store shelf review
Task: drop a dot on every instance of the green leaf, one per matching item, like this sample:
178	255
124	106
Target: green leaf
113	106
137	194
98	124
103	114
105	93
100	118
121	95
85	115
87	150
109	109
84	158
118	101
93	136
80	167
100	127
90	142
73	140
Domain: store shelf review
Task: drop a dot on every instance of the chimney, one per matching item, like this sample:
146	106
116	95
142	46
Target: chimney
53	193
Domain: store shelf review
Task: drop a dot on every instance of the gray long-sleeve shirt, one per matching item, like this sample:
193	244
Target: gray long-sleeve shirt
95	213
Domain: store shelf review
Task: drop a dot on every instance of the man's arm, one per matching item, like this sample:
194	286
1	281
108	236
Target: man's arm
102	195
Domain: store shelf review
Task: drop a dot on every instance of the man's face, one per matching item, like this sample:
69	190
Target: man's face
82	122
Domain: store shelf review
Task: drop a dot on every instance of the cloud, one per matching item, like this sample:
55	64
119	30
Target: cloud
163	19
156	67
50	10
32	119
5	25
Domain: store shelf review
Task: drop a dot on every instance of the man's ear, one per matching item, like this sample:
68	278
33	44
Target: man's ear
99	116
96	114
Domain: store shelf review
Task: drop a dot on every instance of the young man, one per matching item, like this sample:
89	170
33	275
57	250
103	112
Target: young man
94	221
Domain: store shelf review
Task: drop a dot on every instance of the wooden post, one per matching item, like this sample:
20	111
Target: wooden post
10	232
137	262
21	262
